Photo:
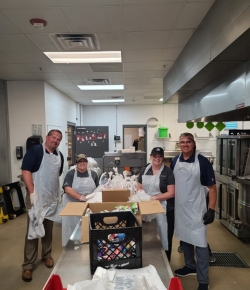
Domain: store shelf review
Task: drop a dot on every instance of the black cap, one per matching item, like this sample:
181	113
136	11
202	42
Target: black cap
157	150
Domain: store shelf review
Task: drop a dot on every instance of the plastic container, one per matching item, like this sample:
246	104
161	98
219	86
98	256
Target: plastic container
163	132
124	254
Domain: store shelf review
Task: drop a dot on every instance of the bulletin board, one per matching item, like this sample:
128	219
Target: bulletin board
92	140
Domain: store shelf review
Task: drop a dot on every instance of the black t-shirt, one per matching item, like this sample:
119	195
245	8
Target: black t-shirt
33	159
206	169
68	180
166	178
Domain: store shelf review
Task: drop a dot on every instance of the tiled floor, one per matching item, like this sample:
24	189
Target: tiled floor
221	240
221	278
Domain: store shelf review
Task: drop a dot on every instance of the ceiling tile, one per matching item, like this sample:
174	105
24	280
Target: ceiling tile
16	42
80	75
65	3
156	81
192	14
108	75
179	38
146	40
164	65
11	67
26	3
139	66
137	81
74	67
7	26
171	53
142	2
136	87
85	20
132	55
159	74
45	67
150	17
139	74
27	57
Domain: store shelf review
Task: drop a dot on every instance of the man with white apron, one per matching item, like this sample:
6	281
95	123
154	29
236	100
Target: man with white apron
41	167
193	175
78	183
157	181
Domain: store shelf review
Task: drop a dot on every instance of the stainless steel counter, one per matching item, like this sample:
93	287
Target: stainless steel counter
74	264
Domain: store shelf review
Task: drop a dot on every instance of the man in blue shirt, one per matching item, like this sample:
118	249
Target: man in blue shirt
42	165
194	179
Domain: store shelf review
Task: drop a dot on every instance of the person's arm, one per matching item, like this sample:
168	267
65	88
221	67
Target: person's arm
166	195
28	180
212	194
139	186
72	193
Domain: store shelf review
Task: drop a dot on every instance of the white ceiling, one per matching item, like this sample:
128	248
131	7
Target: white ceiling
150	33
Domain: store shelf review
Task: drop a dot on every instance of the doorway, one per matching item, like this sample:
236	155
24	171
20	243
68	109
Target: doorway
133	132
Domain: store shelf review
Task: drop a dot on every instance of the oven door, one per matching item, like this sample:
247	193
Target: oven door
222	202
232	157
232	195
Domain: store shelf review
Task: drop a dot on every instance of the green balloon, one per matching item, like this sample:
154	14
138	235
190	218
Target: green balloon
200	125
190	125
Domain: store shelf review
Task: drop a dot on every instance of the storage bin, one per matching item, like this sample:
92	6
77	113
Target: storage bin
163	132
115	241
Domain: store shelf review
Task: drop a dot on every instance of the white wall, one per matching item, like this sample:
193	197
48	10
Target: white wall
26	107
59	109
117	116
37	102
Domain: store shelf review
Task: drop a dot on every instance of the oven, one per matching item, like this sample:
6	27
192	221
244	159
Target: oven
232	155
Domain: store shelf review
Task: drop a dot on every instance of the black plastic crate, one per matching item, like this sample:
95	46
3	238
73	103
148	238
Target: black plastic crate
109	249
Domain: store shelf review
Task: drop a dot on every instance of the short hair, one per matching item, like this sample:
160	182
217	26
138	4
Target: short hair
189	136
54	130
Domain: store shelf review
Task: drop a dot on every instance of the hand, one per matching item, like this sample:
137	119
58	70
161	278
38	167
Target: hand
209	216
82	198
152	198
32	198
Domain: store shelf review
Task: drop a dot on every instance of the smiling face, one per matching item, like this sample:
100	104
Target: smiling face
156	159
187	145
82	165
53	141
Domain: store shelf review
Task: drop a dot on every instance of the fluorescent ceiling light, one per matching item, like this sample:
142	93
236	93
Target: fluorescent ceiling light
101	87
84	56
161	99
108	101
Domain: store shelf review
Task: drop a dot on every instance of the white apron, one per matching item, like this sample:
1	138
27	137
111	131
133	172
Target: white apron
190	203
83	186
151	185
46	184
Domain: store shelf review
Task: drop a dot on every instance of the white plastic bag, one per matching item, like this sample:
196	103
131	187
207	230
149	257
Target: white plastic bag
36	228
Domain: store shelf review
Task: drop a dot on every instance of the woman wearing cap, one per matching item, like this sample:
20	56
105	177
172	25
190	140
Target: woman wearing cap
78	183
157	180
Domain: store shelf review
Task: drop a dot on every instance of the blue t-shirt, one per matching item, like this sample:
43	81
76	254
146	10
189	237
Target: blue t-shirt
33	159
207	176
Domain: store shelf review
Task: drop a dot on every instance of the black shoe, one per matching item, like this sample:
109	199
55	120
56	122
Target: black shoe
212	258
180	249
203	287
185	271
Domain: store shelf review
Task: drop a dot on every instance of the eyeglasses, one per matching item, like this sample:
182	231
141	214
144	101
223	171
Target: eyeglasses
187	142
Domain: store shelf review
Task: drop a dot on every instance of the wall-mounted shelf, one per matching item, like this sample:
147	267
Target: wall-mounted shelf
203	137
158	137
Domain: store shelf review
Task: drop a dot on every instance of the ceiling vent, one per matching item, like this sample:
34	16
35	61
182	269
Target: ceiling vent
75	42
152	97
115	98
97	82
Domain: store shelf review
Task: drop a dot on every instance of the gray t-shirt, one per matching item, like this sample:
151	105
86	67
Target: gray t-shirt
68	180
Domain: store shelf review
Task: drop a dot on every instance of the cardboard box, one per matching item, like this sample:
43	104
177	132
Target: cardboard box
115	195
79	209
